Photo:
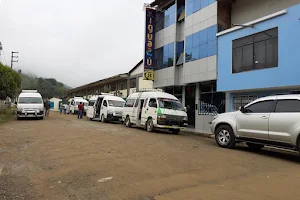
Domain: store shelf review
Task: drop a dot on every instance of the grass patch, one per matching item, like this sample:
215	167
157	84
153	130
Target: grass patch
6	114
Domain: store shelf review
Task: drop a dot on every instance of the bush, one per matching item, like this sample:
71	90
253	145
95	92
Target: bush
6	114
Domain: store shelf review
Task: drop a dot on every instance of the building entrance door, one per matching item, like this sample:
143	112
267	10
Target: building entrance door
190	92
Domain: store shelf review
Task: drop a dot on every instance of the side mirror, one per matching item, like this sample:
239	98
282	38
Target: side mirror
185	110
242	109
16	103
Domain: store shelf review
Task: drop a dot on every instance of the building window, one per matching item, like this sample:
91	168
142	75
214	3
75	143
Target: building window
258	51
211	102
193	6
239	101
164	56
179	49
165	19
201	44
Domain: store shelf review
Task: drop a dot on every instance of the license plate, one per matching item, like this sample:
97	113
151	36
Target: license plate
175	126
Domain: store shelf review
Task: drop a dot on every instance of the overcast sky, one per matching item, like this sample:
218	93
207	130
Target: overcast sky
73	41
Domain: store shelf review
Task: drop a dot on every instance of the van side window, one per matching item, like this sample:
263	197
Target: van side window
105	103
152	103
145	102
136	103
91	103
129	103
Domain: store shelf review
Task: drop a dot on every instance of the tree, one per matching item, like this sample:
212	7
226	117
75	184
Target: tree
10	82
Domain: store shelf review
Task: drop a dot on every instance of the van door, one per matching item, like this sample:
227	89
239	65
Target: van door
97	107
139	111
135	111
104	109
144	112
150	110
90	109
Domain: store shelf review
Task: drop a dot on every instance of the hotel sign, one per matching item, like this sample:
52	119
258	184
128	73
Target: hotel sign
149	45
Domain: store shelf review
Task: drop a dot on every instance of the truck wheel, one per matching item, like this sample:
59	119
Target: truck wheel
149	125
225	137
255	147
127	122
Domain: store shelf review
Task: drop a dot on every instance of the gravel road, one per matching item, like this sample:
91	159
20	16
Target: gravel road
62	157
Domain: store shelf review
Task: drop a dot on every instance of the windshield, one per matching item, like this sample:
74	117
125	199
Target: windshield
113	103
31	100
171	104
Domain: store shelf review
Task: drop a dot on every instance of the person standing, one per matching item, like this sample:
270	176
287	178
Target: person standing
61	107
47	107
80	110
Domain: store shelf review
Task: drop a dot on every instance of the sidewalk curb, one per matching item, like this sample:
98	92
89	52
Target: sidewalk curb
206	135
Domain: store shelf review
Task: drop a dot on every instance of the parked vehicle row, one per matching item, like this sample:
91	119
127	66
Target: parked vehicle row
271	121
148	109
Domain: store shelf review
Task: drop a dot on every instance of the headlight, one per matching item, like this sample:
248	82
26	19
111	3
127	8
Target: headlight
110	112
20	109
185	118
162	117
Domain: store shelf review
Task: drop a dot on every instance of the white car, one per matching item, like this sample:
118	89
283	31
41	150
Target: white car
154	109
270	121
73	105
105	108
30	104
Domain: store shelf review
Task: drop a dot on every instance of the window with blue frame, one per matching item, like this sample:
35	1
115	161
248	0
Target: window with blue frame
193	6
164	56
165	18
201	44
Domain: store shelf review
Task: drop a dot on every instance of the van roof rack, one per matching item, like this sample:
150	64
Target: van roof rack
29	91
148	90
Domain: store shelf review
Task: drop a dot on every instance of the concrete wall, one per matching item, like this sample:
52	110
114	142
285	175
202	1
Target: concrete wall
138	70
164	77
247	10
200	70
288	70
145	83
165	36
202	19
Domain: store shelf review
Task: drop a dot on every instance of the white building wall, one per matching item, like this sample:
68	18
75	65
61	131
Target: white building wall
248	10
138	70
145	83
202	19
165	36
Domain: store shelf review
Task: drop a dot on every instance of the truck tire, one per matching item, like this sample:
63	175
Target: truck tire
225	137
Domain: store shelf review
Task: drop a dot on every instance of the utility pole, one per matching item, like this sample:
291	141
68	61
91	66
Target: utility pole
13	58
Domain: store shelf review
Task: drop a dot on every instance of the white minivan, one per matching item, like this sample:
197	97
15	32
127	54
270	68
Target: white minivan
73	105
105	108
30	104
154	109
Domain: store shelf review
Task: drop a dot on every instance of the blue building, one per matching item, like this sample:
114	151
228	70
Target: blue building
260	54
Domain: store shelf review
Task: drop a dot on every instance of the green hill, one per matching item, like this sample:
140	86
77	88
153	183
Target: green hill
48	87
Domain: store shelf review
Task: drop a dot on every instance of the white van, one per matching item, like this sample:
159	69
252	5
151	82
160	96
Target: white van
154	109
105	108
73	105
30	104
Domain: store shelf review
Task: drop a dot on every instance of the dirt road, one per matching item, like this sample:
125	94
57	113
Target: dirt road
62	157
